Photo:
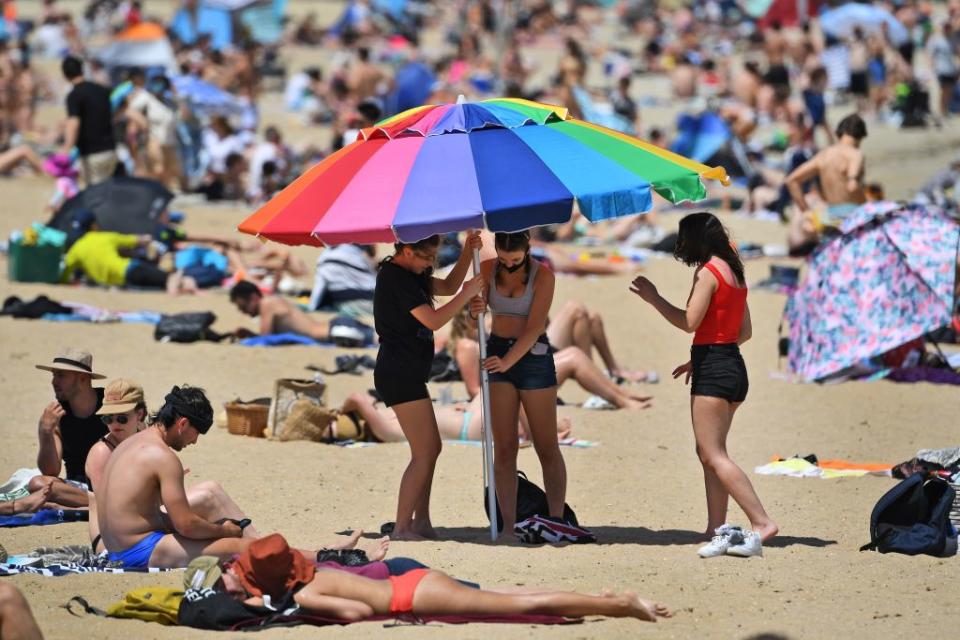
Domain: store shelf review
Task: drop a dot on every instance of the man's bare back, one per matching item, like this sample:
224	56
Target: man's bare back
280	316
129	497
840	168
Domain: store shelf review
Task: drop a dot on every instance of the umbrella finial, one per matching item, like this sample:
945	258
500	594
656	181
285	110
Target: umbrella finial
461	99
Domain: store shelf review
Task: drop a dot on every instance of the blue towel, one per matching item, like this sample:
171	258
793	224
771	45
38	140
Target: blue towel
45	516
278	339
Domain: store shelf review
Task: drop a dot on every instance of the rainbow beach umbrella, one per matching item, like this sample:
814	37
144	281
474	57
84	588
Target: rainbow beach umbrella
504	164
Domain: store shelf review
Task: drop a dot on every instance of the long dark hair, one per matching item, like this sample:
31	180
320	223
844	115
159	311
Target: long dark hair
517	241
702	237
426	278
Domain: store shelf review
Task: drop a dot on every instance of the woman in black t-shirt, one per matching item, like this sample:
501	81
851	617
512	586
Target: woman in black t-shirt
405	320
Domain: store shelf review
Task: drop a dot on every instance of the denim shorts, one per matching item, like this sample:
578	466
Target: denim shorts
535	370
718	370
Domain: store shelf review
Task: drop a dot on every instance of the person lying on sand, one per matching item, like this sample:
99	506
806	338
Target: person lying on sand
270	569
456	422
144	473
276	314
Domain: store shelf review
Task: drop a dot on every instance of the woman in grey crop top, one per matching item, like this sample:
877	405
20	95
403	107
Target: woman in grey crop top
519	292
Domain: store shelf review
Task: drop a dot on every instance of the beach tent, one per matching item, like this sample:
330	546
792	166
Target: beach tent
142	45
213	21
124	205
887	280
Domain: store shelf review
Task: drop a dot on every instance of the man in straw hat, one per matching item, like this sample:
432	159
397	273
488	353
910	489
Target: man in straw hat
145	472
68	428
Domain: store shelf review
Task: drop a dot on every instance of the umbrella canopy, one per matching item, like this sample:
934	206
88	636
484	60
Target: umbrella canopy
206	98
124	205
505	164
887	280
841	21
143	45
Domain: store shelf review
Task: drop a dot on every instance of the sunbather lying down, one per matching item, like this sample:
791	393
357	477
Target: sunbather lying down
456	422
424	592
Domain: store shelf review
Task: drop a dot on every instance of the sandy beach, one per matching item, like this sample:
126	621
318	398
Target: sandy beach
640	490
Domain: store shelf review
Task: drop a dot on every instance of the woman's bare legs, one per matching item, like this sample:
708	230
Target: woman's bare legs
419	425
572	362
575	325
439	594
540	405
505	407
11	159
711	423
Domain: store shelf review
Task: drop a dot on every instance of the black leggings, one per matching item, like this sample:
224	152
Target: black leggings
146	275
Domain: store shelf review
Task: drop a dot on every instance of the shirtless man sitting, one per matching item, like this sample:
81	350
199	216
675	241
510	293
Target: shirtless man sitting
143	473
840	169
276	314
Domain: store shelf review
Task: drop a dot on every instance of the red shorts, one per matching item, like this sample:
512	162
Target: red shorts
403	589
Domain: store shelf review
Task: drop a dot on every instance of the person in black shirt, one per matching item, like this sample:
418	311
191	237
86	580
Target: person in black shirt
405	319
69	426
89	124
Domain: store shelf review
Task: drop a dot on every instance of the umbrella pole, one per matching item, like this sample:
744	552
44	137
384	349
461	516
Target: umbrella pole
487	433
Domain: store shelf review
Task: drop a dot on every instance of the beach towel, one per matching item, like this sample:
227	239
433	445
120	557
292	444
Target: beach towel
282	339
67	568
804	468
16	486
44	517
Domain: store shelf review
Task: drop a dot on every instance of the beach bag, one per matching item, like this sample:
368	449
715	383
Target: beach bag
151	604
913	519
531	501
186	327
286	393
219	611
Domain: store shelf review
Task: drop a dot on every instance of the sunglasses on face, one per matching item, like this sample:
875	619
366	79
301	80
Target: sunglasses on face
121	418
429	257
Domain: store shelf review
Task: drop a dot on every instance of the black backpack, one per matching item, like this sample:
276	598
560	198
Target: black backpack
531	501
187	327
913	518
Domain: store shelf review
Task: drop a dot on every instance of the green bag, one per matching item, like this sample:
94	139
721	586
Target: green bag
151	604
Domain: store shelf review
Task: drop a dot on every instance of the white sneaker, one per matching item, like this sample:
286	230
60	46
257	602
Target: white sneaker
749	546
726	536
346	336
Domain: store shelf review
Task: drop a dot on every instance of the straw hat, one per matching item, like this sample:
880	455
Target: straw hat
120	396
75	360
307	420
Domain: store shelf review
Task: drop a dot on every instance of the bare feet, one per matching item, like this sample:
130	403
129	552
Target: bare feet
564	428
408	535
424	529
377	550
766	531
350	541
645	609
636	404
35	501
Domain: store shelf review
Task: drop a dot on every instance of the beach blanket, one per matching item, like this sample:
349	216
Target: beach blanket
576	443
804	468
44	517
67	568
282	339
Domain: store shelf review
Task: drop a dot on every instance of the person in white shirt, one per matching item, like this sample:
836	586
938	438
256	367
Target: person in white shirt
160	121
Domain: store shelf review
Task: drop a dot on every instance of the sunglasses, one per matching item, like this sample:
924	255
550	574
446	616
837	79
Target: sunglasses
429	257
121	418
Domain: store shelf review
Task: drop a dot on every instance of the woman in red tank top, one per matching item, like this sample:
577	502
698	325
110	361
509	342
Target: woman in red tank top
718	316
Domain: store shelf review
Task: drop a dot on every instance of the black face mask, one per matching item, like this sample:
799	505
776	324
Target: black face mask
516	267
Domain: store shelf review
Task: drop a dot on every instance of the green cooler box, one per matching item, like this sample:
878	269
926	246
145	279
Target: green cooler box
34	263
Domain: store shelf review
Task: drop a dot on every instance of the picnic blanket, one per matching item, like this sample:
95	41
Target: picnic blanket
67	568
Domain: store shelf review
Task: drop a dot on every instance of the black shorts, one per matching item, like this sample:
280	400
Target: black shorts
401	378
718	371
859	83
146	275
535	370
947	80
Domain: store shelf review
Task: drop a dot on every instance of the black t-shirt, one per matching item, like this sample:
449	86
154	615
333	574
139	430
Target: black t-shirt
91	103
404	340
78	435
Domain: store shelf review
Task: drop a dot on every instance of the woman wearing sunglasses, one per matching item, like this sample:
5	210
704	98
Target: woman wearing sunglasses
405	318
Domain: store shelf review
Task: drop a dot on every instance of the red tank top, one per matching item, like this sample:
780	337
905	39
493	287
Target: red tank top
721	324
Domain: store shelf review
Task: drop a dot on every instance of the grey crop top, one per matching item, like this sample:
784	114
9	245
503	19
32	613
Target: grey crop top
519	307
